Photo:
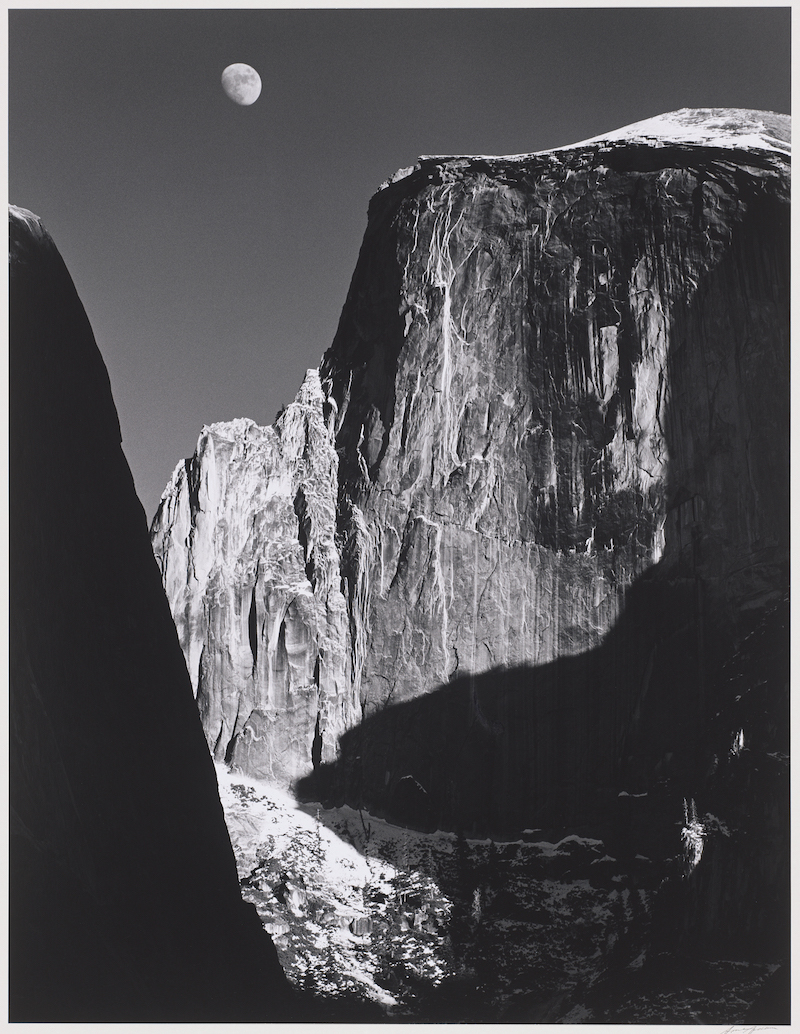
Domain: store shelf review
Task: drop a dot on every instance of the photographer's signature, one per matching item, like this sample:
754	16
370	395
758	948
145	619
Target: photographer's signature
745	1030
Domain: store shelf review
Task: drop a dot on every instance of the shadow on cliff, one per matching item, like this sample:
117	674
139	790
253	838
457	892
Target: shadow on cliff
536	747
615	739
537	753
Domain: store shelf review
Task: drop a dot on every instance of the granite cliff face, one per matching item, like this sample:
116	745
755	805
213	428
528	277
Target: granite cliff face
124	898
246	539
482	571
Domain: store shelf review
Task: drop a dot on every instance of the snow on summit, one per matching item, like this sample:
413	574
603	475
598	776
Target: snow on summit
741	128
709	127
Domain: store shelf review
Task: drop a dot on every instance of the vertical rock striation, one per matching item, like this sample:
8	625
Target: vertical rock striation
496	545
124	899
251	562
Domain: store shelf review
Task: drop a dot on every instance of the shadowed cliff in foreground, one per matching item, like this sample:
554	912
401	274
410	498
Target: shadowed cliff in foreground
124	899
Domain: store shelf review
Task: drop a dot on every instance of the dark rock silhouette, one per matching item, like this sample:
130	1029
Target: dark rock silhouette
124	898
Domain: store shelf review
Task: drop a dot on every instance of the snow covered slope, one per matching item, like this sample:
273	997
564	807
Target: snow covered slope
736	128
708	127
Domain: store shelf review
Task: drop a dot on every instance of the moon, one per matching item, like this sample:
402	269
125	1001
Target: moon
241	83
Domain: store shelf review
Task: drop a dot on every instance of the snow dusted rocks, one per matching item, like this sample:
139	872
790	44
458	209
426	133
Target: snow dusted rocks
551	396
740	128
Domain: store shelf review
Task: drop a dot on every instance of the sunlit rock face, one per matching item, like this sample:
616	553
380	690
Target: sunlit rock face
556	390
246	539
124	902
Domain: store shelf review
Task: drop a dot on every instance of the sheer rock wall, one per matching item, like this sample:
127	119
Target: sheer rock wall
558	379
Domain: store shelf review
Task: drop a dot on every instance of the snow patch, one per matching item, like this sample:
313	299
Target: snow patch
33	223
741	128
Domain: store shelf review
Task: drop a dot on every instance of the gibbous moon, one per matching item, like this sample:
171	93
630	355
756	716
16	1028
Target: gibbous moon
241	83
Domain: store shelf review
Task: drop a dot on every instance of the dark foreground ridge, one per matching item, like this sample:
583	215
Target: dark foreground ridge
124	900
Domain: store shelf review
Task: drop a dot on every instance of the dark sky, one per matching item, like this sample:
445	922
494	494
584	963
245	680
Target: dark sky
213	245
